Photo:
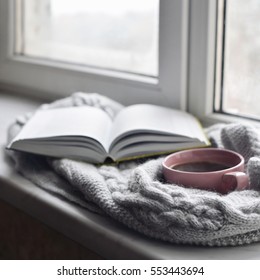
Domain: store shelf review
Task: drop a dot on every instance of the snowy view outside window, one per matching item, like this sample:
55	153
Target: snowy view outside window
241	88
115	34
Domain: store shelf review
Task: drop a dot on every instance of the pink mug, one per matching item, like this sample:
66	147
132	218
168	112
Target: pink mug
211	169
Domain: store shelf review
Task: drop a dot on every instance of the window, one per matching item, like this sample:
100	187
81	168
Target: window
240	63
92	33
193	49
35	57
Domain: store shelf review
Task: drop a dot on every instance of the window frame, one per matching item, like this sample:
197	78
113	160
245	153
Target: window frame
202	59
51	79
206	62
188	65
220	68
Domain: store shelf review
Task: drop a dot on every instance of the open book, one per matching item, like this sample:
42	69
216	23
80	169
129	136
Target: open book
88	133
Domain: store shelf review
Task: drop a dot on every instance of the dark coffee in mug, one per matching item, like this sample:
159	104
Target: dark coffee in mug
201	166
212	169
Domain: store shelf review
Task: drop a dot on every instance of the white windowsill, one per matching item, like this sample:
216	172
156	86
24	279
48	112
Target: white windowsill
214	118
103	235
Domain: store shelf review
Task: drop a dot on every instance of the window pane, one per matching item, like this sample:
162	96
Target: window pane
114	34
241	81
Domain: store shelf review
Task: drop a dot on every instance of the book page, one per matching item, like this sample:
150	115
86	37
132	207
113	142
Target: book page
151	118
73	121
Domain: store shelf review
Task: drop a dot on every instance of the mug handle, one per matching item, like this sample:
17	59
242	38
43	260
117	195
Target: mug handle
234	181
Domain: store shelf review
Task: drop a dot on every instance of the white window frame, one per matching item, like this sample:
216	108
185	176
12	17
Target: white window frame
205	62
186	80
202	59
54	79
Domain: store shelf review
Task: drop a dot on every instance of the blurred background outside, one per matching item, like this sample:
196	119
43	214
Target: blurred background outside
241	91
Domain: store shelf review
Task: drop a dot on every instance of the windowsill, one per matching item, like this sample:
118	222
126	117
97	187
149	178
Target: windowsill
214	118
102	235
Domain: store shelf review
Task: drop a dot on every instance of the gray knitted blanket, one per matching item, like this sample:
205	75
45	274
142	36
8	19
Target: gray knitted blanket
135	194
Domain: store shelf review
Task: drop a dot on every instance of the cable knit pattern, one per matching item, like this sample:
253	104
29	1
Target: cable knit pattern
135	194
